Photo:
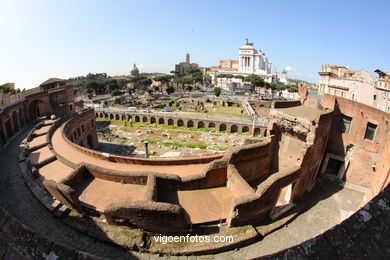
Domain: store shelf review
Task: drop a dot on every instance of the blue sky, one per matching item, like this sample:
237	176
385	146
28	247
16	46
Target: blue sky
41	39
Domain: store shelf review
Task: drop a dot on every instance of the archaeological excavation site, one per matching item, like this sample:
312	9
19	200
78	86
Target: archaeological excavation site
309	179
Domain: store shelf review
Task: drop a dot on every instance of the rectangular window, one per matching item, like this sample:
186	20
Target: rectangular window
345	124
370	131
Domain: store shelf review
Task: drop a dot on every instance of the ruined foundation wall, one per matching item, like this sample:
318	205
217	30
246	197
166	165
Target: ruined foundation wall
369	165
151	216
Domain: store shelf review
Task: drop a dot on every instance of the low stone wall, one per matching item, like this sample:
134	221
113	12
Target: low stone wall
286	104
151	216
253	161
236	183
251	208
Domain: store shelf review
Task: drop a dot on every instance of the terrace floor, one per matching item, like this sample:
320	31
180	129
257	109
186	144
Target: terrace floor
97	193
203	205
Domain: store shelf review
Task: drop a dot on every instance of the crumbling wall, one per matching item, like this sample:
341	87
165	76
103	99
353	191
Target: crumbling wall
158	217
255	207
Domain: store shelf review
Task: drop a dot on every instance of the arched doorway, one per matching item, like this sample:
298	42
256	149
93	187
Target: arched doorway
222	127
233	129
200	124
15	121
211	125
170	121
89	141
37	109
190	123
180	122
245	129
161	121
152	120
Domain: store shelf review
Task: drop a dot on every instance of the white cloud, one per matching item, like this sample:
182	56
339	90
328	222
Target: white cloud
288	68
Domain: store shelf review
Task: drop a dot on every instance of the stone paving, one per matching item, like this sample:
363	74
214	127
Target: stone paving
330	205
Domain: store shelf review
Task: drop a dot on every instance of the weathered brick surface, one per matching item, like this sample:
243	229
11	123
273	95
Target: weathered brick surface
64	252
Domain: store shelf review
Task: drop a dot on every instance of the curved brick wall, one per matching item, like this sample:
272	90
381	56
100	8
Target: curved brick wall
73	126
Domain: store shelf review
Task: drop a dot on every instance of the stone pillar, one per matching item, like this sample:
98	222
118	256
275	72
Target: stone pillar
146	149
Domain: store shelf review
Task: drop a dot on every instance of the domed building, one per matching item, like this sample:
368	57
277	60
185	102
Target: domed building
134	71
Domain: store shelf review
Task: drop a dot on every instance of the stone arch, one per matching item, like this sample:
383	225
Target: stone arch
233	129
170	121
152	120
137	119
8	126
261	105
22	119
90	141
200	124
256	131
211	125
265	132
96	114
180	122
15	121
161	121
129	117
105	115
144	119
117	117
190	123
25	113
245	129
222	127
37	109
111	116
3	139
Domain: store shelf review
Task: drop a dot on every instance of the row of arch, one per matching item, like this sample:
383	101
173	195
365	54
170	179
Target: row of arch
78	134
14	120
232	128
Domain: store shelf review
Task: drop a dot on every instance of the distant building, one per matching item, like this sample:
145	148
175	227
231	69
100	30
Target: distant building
134	71
355	85
52	83
250	61
382	91
187	64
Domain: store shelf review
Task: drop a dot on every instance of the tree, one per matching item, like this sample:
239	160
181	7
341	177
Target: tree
217	91
141	82
170	90
117	93
255	80
164	80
